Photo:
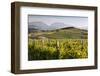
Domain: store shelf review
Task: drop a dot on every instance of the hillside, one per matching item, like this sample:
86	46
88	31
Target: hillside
62	33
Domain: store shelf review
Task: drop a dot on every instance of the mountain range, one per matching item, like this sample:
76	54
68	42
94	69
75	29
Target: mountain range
53	26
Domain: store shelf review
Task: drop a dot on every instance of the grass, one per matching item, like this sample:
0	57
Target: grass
72	33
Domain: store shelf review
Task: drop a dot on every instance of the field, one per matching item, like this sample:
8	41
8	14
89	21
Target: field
66	33
48	49
64	43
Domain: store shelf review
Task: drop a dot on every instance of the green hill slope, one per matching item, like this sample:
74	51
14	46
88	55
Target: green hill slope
64	33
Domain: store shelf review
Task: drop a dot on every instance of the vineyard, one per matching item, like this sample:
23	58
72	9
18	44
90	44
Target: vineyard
48	49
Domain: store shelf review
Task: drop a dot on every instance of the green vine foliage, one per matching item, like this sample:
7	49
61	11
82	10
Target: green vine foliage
50	49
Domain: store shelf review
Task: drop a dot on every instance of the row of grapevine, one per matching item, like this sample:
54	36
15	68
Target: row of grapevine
49	49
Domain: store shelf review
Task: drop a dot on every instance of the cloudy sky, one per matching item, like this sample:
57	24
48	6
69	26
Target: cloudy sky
81	22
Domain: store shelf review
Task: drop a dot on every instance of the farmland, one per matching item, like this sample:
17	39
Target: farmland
57	49
66	43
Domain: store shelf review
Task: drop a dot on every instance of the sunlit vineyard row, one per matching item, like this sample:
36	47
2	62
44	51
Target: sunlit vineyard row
50	49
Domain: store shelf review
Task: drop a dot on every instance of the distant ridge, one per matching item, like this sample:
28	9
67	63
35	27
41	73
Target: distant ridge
54	26
43	26
68	28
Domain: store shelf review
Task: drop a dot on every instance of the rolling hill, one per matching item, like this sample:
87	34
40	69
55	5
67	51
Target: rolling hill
62	33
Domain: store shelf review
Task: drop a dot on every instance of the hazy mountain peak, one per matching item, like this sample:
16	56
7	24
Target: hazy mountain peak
53	26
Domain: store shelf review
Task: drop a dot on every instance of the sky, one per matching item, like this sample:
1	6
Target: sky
75	21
